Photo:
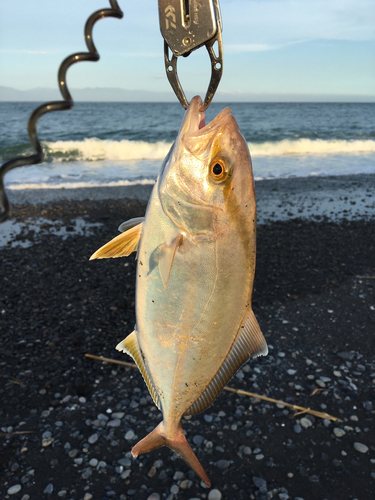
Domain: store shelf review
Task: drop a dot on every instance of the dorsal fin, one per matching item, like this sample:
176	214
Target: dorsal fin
130	346
121	246
130	223
250	342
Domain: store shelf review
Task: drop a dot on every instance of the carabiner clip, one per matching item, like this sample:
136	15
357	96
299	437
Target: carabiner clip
186	26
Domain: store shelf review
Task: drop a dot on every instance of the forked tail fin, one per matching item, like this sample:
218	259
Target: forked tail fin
176	442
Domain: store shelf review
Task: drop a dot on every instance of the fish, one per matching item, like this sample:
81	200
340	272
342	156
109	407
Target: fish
196	249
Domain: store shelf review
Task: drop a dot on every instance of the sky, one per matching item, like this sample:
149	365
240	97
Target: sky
301	47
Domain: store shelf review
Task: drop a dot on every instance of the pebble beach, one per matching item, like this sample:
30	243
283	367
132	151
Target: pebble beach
68	422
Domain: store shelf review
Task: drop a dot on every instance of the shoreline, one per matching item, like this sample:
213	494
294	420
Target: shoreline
331	197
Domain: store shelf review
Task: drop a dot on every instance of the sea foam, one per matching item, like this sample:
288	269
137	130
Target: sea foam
94	149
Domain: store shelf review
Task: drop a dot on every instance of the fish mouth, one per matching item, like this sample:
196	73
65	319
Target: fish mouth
195	121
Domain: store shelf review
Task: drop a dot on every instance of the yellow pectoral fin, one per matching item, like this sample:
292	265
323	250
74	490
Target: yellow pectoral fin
121	246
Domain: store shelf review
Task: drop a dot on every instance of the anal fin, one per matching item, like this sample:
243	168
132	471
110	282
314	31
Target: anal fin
122	245
249	342
130	346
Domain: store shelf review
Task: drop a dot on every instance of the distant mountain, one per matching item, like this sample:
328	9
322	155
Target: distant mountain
87	94
121	95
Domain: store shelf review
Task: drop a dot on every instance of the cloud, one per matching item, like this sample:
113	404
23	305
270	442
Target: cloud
273	22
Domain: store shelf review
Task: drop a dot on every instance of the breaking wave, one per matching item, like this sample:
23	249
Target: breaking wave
77	185
94	149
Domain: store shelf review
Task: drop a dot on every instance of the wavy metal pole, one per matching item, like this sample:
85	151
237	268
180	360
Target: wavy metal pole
48	107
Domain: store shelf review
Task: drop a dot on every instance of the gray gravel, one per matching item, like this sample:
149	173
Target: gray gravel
69	422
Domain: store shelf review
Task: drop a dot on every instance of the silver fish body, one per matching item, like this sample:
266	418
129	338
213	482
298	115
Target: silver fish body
195	272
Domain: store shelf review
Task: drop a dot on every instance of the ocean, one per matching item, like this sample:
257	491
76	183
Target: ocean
115	144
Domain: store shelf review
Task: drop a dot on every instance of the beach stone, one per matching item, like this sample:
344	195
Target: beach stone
297	428
152	472
48	489
362	448
305	422
314	479
214	494
346	356
118	414
174	489
368	405
291	372
47	441
93	438
86	473
260	483
222	464
14	489
87	496
93	462
25	497
186	484
178	475
114	423
338	432
126	474
198	440
154	496
125	462
129	435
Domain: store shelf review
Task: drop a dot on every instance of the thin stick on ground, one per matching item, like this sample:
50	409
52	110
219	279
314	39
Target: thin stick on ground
16	433
300	409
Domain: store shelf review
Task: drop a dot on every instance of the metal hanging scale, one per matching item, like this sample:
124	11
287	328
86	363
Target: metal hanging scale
187	25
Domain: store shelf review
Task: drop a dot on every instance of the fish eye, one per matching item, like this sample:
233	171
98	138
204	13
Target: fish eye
219	170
